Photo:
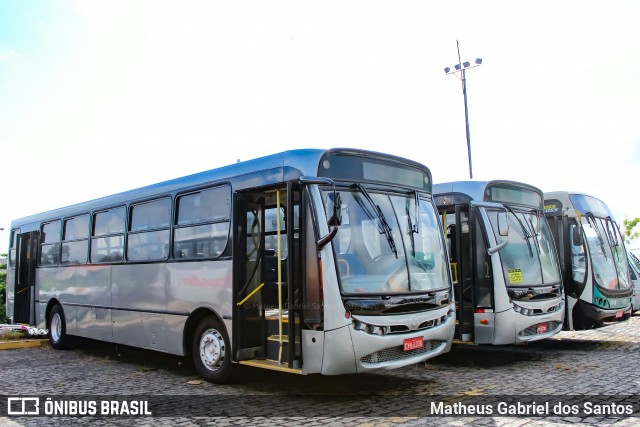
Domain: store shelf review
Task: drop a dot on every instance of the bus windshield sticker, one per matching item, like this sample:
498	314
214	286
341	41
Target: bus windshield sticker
552	207
515	275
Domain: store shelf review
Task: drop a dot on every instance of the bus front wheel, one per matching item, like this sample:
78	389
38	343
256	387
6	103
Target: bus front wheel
57	328
211	351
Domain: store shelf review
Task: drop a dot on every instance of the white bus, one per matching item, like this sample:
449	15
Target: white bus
508	287
338	252
593	259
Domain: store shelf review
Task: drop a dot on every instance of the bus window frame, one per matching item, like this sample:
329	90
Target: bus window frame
87	239
175	226
102	236
139	232
42	243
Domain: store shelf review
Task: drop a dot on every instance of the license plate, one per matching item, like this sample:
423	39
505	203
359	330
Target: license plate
619	314
413	343
542	328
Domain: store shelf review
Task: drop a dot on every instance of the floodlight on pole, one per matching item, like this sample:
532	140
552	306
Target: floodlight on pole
462	67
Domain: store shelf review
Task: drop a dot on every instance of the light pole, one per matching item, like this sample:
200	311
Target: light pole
461	68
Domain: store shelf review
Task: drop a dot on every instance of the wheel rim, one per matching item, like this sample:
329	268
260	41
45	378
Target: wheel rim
56	327
212	349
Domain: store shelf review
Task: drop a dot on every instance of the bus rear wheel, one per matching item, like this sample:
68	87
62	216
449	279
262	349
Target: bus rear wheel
57	328
211	351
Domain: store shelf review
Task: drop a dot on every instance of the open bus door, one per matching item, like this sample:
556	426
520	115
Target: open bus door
459	240
25	278
264	322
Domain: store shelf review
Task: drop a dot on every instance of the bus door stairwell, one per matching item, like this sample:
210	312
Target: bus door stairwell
264	263
458	238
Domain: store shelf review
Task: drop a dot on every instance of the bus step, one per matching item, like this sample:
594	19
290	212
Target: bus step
270	364
273	348
273	321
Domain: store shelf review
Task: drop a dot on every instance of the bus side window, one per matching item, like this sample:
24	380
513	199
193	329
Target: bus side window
50	243
201	226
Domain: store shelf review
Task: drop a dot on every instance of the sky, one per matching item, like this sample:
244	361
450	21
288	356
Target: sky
101	97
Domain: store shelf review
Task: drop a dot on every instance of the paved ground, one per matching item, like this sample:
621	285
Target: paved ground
600	369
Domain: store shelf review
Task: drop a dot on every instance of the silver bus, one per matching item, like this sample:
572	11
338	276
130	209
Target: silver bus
306	261
593	259
507	282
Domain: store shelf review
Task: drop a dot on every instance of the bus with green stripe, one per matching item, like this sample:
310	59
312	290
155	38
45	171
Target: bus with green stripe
593	259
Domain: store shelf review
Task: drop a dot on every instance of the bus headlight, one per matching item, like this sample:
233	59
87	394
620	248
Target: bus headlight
522	310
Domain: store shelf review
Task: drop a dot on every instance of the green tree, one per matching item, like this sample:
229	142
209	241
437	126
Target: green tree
628	229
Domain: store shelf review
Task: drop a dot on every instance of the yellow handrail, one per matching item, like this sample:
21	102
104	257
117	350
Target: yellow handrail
279	275
251	294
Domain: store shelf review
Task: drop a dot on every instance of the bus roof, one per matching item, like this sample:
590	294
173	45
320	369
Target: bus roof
304	161
582	202
481	191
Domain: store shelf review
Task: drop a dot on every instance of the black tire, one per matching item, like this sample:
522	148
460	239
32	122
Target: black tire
57	328
211	351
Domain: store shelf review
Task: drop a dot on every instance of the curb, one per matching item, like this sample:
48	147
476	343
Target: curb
12	345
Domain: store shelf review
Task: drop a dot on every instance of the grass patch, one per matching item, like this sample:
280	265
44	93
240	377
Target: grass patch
12	335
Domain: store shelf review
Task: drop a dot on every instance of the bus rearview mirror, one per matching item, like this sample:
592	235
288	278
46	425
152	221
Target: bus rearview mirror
334	212
503	224
576	237
334	209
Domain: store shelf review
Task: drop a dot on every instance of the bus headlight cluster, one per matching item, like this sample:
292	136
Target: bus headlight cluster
523	311
371	329
555	307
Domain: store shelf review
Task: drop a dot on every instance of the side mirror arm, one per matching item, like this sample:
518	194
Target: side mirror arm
497	248
322	242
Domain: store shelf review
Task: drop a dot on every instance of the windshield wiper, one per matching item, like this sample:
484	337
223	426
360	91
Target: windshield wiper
412	228
527	235
592	218
384	225
611	229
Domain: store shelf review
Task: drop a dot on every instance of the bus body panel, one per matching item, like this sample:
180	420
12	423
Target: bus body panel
313	347
338	355
484	328
191	285
139	287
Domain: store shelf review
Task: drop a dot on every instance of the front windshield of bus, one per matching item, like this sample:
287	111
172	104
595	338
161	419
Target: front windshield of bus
396	249
608	255
529	258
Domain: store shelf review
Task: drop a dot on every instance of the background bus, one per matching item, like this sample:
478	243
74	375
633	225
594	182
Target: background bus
593	259
634	272
338	252
505	269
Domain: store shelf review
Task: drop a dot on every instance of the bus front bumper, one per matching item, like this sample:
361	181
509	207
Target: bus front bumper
588	316
374	352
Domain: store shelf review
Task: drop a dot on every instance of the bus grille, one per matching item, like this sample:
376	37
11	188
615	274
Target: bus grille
533	330
397	353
